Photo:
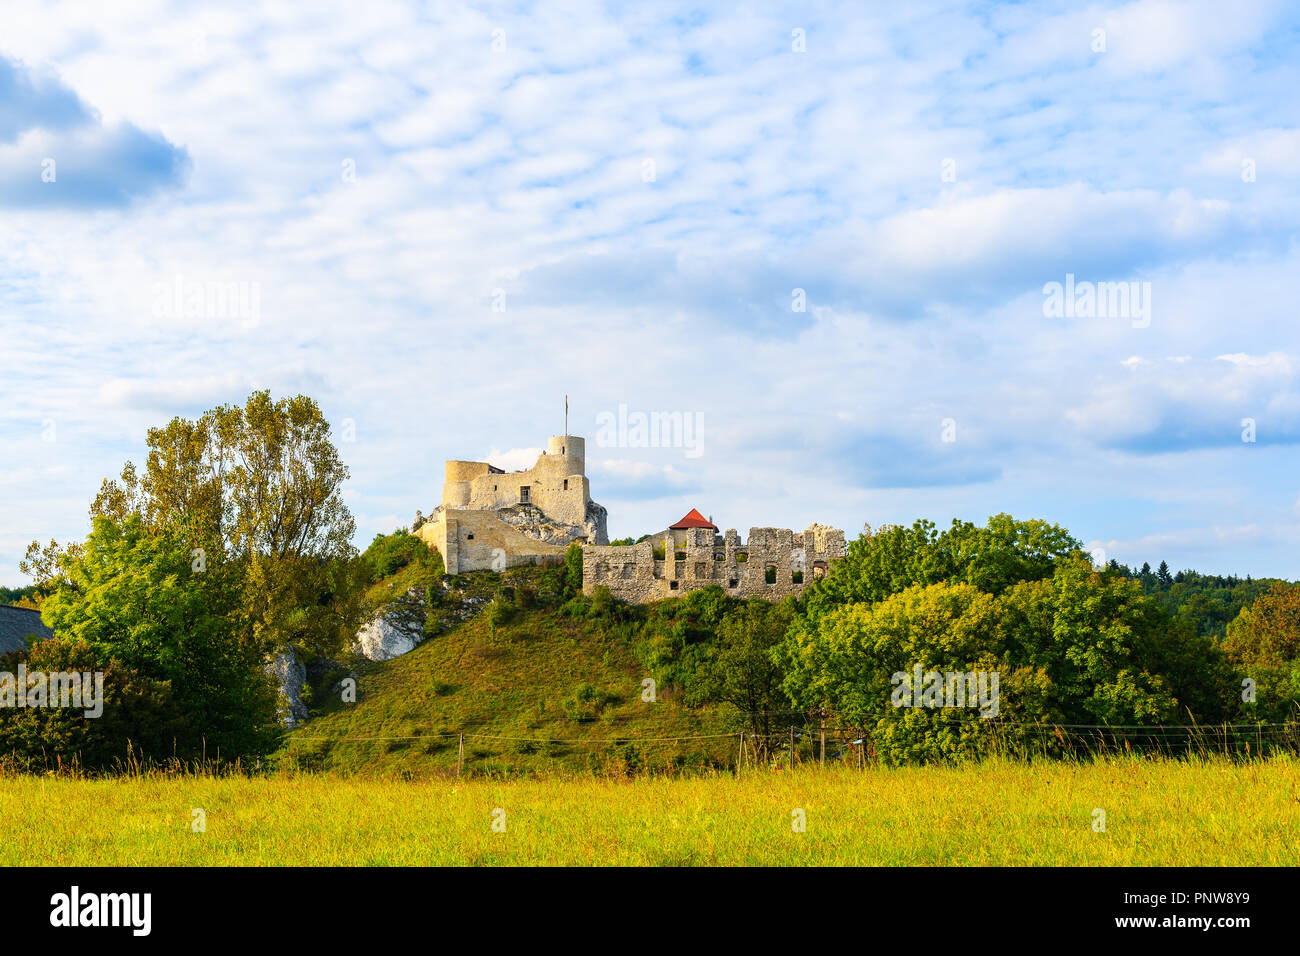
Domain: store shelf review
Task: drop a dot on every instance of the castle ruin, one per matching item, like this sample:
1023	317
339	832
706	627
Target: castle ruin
491	519
771	563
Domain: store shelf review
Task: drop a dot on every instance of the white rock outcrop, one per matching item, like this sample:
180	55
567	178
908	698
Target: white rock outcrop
382	640
291	674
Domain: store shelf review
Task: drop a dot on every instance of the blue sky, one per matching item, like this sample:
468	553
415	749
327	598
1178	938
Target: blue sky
442	219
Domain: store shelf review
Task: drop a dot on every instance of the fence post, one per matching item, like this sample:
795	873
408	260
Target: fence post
823	761
792	747
460	756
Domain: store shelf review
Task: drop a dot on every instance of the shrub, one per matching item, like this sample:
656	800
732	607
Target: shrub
573	570
501	611
585	703
137	601
141	716
389	553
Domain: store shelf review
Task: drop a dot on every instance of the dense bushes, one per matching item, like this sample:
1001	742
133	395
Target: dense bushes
186	671
1264	645
141	717
390	553
1069	643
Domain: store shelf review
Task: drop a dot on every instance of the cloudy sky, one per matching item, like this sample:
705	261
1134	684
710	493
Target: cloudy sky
822	232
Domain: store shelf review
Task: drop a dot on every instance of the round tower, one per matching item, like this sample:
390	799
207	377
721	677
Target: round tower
572	449
458	482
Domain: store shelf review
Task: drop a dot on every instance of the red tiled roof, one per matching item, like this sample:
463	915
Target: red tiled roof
693	519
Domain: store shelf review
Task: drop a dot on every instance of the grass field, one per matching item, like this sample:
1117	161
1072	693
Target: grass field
1158	812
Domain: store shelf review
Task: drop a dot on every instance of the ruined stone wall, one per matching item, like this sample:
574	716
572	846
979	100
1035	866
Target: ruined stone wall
470	540
696	558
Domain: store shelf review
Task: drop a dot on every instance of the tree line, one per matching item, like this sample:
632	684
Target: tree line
1070	643
231	543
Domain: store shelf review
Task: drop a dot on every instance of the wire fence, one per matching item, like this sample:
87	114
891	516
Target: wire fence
817	744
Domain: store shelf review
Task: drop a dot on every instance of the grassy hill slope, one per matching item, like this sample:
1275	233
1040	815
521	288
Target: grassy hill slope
559	686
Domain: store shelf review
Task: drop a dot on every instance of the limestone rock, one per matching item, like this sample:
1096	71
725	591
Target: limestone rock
291	675
385	637
595	527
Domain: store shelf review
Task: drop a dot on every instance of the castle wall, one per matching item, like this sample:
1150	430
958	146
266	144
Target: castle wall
480	541
696	558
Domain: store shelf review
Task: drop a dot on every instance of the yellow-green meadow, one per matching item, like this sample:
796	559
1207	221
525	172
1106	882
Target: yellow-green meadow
1112	811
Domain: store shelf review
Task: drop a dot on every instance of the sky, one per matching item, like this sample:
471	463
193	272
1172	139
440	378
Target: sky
854	247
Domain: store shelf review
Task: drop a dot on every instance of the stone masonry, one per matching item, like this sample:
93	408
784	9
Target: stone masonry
491	519
771	563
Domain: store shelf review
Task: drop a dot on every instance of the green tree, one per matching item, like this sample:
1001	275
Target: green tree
264	483
1075	647
851	663
140	717
1263	643
739	667
141	600
880	563
1093	633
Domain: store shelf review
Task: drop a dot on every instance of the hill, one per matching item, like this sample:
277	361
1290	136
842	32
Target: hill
539	689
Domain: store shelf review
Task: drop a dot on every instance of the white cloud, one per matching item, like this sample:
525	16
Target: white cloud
523	171
516	459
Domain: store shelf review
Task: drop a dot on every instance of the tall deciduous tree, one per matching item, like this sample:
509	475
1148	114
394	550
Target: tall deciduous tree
740	667
1263	642
265	482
